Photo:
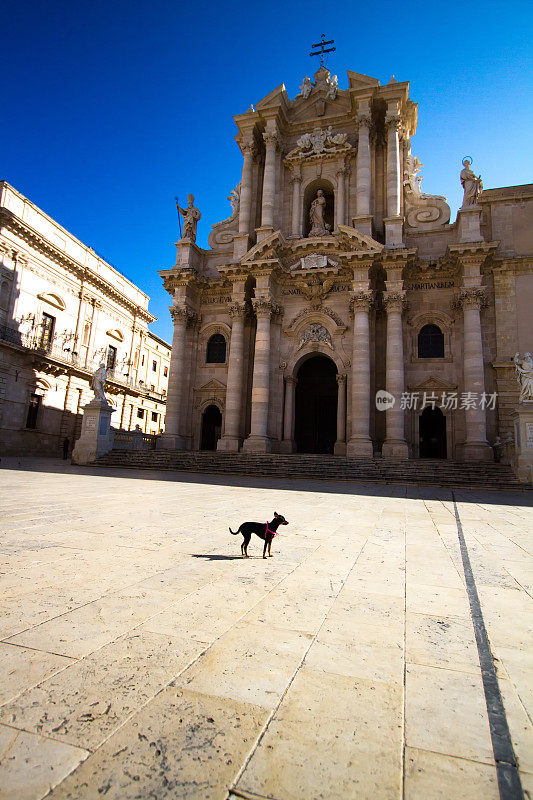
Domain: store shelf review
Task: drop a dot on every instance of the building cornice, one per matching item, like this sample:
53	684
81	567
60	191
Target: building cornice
80	271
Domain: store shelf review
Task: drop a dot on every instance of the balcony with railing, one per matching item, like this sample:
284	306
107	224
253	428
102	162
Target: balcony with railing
54	351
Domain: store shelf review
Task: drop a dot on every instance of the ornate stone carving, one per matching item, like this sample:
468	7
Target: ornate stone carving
471	183
393	122
329	312
473	296
362	301
318	141
524	376
316	290
264	306
341	379
182	314
237	310
316	333
422	211
271	137
190	215
364	120
223	232
394	301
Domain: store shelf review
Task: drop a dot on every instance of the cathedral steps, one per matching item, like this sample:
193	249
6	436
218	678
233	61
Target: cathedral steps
320	467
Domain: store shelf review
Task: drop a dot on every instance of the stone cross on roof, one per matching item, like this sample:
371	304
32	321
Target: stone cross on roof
322	44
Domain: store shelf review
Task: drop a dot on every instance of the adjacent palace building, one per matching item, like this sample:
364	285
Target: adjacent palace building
64	310
338	309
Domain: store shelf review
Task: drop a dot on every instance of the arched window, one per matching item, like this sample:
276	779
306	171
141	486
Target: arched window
430	342
216	349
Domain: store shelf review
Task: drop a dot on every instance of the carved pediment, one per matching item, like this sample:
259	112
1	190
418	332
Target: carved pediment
212	386
355	240
433	384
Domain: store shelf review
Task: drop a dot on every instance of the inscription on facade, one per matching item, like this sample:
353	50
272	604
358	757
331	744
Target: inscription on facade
431	285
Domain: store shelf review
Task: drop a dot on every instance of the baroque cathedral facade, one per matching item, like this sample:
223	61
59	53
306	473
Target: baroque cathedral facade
338	309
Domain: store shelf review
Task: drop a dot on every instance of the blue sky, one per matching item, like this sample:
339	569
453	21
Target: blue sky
110	108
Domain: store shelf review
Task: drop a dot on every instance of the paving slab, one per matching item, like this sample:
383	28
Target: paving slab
142	657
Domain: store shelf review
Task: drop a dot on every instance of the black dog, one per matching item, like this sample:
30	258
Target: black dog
265	531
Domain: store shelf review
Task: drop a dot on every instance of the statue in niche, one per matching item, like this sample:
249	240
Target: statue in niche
191	216
471	184
316	216
524	376
305	88
98	383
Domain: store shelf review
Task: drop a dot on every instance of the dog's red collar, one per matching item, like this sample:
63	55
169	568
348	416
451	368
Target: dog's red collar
268	530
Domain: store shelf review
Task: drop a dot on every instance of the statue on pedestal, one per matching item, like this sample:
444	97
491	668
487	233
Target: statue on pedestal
524	376
471	184
316	215
191	216
98	383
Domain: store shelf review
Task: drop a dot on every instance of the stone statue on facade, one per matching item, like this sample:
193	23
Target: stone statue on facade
98	383
190	215
235	199
305	88
316	215
524	376
422	211
333	82
471	184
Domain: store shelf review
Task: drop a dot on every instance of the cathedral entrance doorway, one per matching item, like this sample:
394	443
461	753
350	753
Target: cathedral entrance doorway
211	428
315	429
432	433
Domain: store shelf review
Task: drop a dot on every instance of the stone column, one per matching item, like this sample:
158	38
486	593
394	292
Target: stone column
339	205
258	440
393	221
360	444
245	205
231	440
340	444
287	445
363	220
269	180
395	445
172	438
476	447
296	181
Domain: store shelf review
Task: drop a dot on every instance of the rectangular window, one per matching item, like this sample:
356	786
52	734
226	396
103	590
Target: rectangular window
154	416
33	411
154	366
140	413
165	372
46	335
152	387
111	357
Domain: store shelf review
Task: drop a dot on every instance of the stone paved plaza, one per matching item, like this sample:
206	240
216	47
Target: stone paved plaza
141	657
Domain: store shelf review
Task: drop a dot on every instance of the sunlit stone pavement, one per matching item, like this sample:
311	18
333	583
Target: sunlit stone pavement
142	657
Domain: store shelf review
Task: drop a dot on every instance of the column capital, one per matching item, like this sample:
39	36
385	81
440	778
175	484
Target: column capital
291	379
183	314
248	149
237	310
271	138
473	297
394	301
341	379
265	307
393	122
362	301
364	120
